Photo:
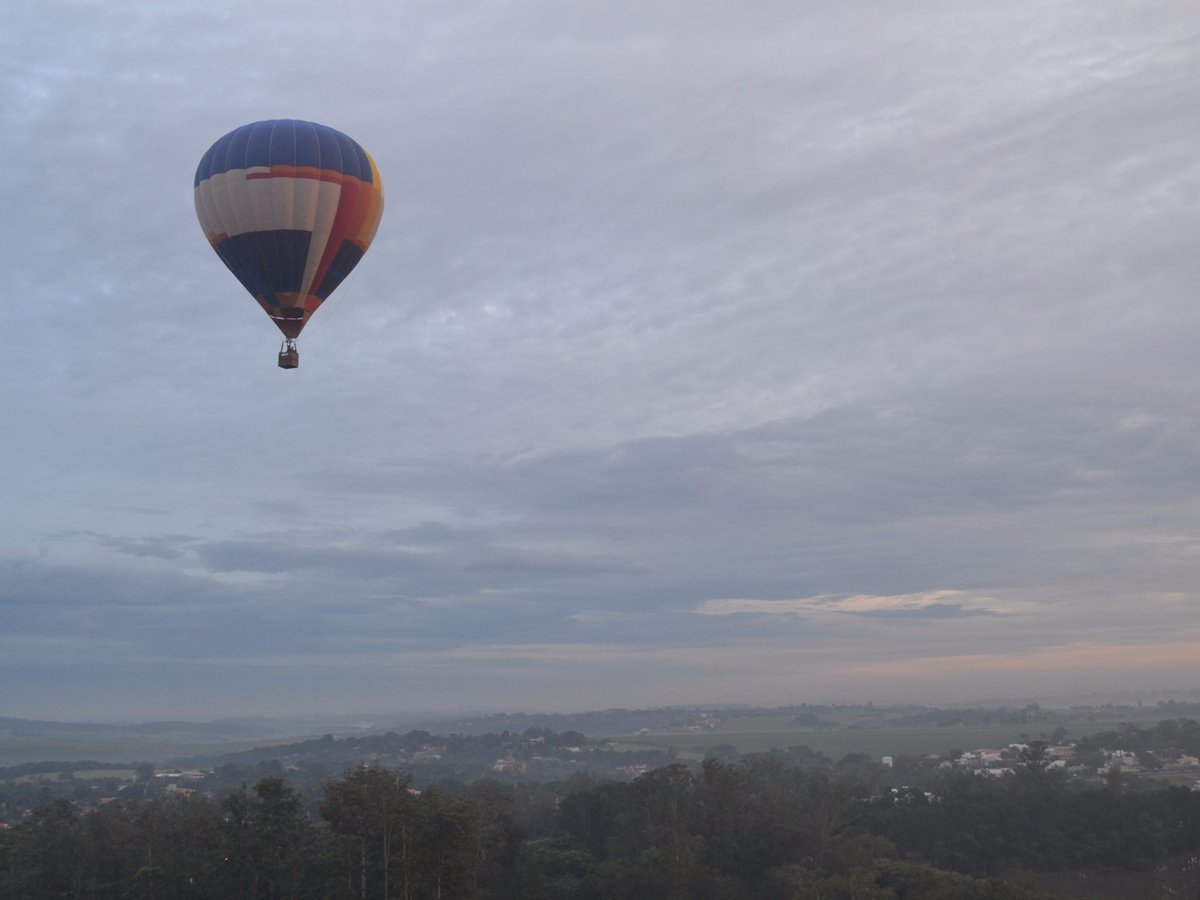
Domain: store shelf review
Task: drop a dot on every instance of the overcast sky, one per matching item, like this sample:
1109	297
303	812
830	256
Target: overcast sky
708	351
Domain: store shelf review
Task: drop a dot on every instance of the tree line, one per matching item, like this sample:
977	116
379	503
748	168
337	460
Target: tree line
760	828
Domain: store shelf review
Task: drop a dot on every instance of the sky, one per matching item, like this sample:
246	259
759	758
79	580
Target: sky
707	352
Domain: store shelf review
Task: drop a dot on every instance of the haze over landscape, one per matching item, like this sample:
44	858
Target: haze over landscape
706	353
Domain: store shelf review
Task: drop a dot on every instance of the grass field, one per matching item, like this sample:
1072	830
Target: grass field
38	777
14	751
96	774
80	774
758	734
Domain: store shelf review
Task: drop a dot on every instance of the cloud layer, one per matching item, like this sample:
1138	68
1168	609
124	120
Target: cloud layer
704	354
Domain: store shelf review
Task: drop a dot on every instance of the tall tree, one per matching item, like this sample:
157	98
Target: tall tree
444	847
372	810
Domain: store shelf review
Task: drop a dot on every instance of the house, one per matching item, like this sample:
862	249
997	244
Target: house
508	764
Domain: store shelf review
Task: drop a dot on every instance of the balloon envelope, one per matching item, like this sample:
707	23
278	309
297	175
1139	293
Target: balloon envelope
290	207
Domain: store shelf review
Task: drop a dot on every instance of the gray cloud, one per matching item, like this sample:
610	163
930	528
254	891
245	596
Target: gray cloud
668	305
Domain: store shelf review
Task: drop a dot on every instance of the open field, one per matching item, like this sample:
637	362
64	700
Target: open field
38	777
97	774
14	751
834	731
79	774
26	740
758	734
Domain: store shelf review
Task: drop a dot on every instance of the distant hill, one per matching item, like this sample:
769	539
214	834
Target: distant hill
606	722
32	740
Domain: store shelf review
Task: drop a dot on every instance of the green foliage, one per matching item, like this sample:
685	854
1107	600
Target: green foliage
765	828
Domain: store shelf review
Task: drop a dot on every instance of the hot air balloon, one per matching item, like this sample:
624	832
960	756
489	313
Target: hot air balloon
290	207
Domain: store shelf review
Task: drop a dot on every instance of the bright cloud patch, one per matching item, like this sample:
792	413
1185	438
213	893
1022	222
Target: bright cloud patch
926	603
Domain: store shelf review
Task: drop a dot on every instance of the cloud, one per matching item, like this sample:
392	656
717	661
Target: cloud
694	334
166	546
930	605
1076	666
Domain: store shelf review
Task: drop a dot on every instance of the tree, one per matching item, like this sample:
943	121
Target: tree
1033	758
282	837
444	847
498	837
48	854
372	811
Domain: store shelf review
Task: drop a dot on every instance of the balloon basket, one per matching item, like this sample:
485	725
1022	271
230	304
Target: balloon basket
289	356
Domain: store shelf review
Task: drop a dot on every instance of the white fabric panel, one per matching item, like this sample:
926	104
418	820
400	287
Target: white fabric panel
262	200
329	193
233	204
305	192
279	208
206	210
219	191
240	210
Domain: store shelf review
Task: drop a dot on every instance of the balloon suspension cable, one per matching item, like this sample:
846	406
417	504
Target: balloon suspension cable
289	356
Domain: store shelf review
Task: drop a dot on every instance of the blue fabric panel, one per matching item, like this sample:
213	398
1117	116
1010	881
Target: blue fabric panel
250	277
205	164
330	148
215	157
290	142
292	249
267	262
268	255
346	259
308	148
364	167
235	150
258	147
283	143
350	155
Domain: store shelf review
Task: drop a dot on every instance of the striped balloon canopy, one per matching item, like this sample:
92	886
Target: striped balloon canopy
290	207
